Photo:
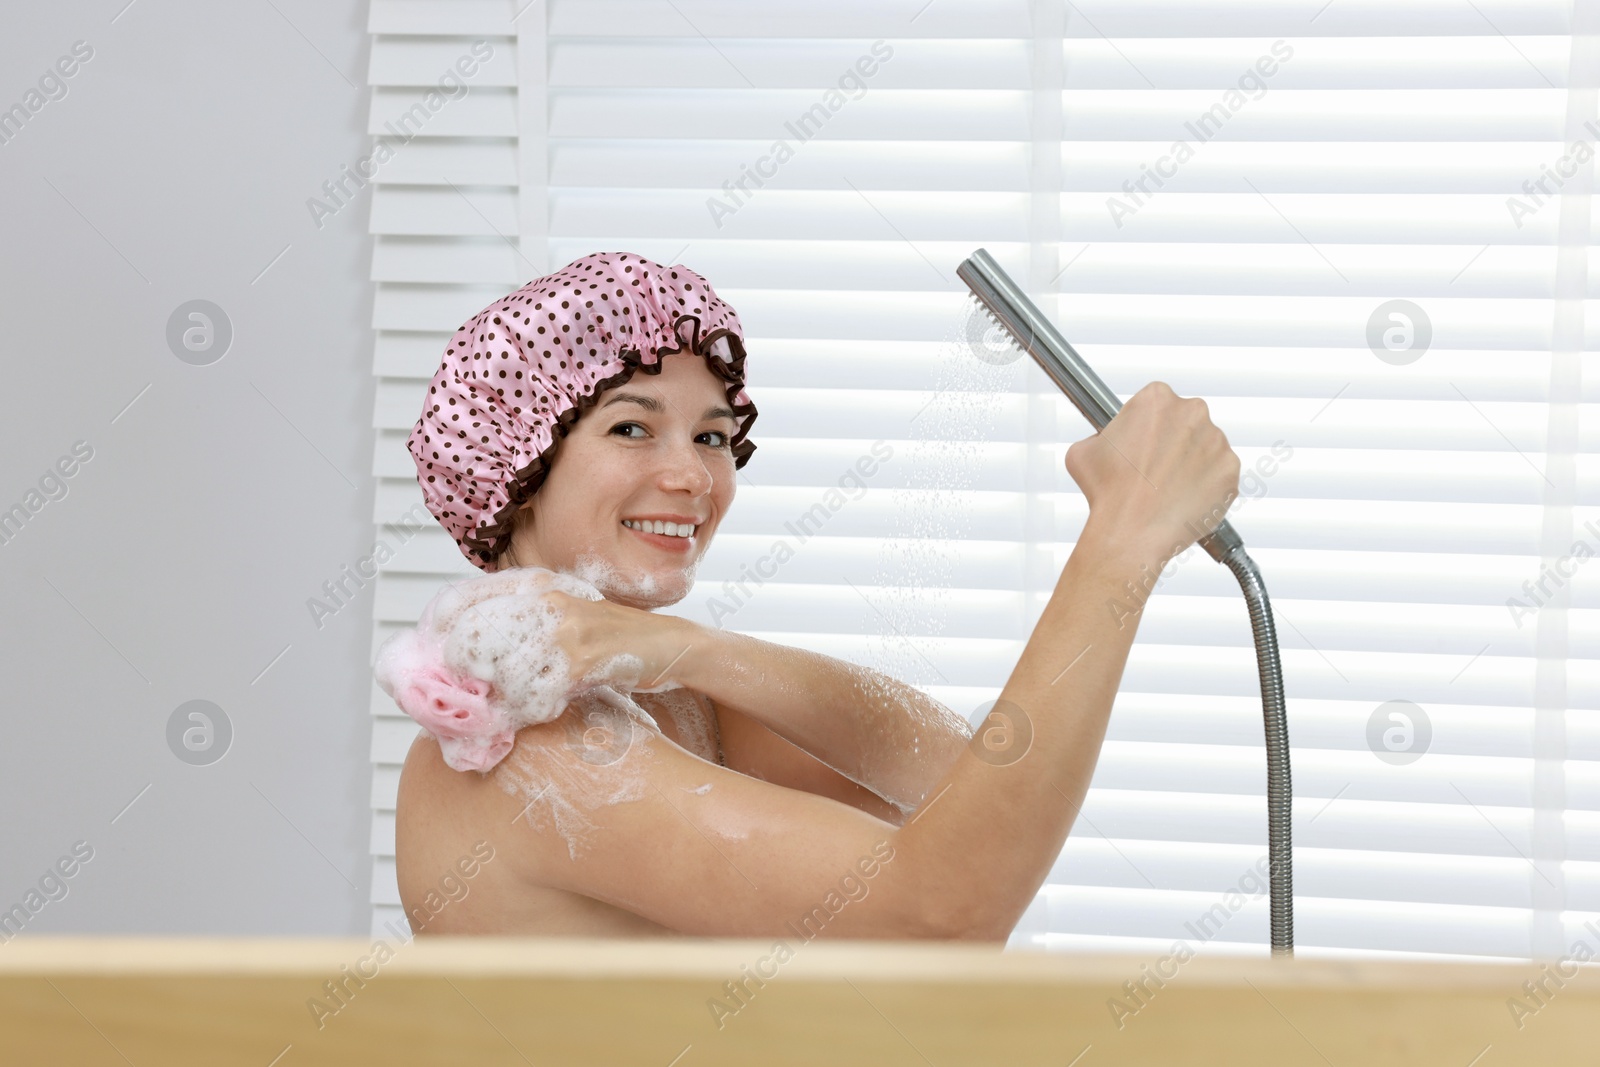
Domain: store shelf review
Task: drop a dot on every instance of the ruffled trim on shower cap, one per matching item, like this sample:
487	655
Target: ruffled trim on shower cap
491	539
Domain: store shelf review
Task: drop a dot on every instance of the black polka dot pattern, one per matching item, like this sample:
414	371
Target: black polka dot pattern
517	375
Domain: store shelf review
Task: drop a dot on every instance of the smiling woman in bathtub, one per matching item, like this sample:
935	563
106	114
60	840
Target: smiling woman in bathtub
699	781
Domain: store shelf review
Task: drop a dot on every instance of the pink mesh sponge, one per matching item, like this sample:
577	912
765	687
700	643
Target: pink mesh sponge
482	662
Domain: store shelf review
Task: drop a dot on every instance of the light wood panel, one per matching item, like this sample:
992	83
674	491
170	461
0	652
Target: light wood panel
90	1001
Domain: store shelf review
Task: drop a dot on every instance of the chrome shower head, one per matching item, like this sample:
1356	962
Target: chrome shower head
1029	330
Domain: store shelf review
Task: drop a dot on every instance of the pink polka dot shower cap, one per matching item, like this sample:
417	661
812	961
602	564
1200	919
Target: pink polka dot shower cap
520	373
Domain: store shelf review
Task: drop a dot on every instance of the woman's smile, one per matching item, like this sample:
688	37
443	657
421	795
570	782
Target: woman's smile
638	487
678	546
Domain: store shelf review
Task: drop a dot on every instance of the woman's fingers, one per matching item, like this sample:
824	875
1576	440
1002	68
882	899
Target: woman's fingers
1161	469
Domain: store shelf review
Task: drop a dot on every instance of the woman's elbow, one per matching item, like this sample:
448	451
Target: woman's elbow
977	921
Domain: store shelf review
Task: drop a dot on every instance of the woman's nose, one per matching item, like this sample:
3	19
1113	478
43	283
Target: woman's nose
683	468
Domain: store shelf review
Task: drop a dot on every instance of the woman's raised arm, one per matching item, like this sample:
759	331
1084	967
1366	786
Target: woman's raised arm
875	730
625	816
740	857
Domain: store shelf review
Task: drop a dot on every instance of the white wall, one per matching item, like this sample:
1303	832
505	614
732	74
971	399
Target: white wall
179	563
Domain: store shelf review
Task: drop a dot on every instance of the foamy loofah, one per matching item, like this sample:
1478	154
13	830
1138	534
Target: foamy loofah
455	708
483	661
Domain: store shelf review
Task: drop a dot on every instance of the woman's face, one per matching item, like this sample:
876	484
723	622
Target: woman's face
656	447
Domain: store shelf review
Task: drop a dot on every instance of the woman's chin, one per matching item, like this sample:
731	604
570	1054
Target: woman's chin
647	589
639	605
663	595
635	584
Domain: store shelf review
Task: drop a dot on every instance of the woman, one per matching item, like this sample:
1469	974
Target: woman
755	790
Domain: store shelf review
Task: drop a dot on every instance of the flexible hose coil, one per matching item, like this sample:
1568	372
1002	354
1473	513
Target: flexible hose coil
1010	308
1280	796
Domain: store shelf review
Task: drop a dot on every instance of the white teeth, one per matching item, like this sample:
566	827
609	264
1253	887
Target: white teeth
671	529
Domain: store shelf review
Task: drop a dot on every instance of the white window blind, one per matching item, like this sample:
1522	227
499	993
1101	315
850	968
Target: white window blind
444	223
1403	493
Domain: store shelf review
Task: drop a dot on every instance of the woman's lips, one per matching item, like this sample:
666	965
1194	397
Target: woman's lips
665	542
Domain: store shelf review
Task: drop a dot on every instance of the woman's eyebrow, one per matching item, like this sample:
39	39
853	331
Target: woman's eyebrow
650	403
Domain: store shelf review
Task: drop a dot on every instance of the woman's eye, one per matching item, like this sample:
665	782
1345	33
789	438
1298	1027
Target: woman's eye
724	443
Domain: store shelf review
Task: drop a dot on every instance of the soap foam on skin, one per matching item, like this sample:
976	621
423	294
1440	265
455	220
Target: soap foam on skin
624	672
599	762
642	588
940	721
501	630
483	661
690	721
874	689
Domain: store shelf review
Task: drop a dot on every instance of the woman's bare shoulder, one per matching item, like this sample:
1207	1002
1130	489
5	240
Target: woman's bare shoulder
437	808
448	821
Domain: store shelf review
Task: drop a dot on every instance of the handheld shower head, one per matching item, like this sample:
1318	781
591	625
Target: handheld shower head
1036	335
